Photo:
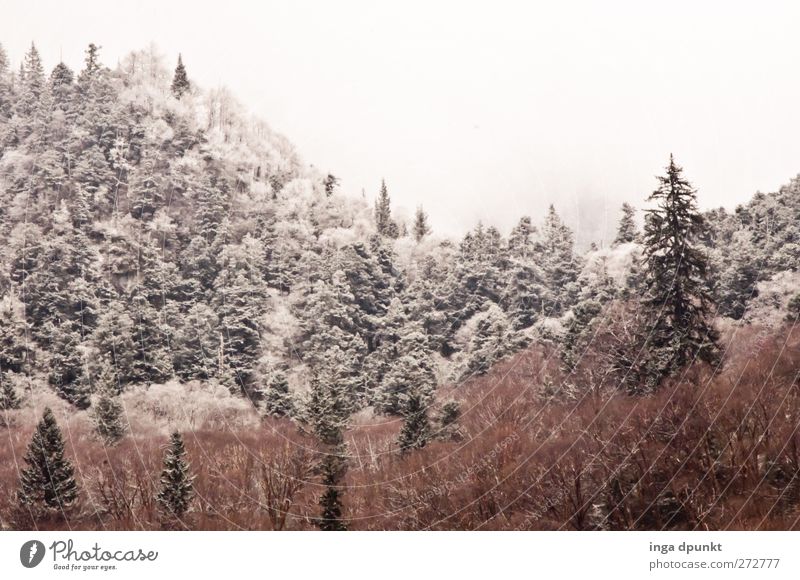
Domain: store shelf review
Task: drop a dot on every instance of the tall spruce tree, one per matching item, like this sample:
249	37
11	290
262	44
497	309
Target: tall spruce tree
180	82
626	231
48	483
678	299
177	488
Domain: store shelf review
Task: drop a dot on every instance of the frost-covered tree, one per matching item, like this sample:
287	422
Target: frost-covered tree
62	81
180	82
626	231
559	264
177	489
678	298
9	400
196	346
115	339
107	412
241	300
32	85
492	339
384	223
416	430
793	308
330	183
66	372
278	399
47	484
421	226
14	350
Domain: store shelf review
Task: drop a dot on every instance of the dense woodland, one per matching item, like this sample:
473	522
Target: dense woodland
200	331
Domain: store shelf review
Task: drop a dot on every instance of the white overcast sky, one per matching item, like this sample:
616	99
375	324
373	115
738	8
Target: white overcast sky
482	110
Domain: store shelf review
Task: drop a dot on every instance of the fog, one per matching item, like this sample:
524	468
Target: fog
482	111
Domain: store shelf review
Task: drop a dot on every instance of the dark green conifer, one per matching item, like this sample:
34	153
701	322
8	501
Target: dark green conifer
180	82
177	489
48	483
678	298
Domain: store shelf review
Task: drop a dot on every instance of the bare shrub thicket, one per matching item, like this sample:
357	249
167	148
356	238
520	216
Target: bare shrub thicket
711	449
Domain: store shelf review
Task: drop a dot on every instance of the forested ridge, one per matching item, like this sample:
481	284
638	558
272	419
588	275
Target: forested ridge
172	265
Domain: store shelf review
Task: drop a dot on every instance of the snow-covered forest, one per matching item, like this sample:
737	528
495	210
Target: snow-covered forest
173	273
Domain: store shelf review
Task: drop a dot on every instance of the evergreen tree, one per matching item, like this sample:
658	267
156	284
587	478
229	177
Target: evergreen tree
559	264
330	183
14	351
793	309
180	82
108	411
735	278
9	400
33	85
6	93
241	302
92	66
196	345
626	231
115	340
522	240
66	373
447	421
677	299
48	483
278	399
333	467
384	223
177	489
421	227
494	338
415	432
61	86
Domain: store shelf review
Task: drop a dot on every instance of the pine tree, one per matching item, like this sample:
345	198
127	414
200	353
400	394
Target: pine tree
278	399
13	332
5	92
48	483
115	338
560	266
33	85
177	489
384	223
447	421
9	400
677	300
241	301
793	309
92	65
421	227
416	427
180	82
61	86
493	339
66	373
626	231
333	467
330	183
108	411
